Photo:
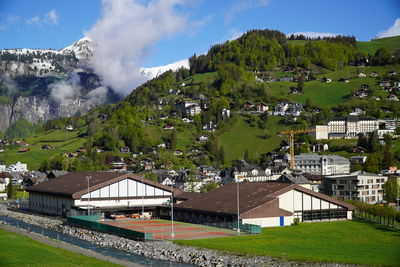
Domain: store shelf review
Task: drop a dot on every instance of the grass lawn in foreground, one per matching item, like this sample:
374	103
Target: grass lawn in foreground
18	250
345	242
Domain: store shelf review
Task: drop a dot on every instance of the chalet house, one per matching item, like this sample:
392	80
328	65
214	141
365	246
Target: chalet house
294	178
248	105
23	150
243	171
286	79
47	147
188	107
384	84
361	94
373	74
125	149
291	109
285	145
326	80
210	126
392	124
116	164
358	159
226	113
358	149
147	164
162	145
178	153
393	97
262	107
203	138
357	112
186	120
168	127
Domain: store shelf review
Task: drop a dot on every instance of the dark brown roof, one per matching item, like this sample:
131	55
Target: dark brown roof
74	184
252	195
223	199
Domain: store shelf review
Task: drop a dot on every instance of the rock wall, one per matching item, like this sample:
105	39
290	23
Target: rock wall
35	108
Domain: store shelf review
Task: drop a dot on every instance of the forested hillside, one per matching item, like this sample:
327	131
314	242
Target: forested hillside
261	67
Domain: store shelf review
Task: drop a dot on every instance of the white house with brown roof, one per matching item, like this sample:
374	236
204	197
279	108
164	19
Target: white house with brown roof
102	191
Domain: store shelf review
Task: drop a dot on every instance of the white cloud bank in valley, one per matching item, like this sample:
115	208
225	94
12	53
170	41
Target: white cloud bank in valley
393	30
124	36
314	34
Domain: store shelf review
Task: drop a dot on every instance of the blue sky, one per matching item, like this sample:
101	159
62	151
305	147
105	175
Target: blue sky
56	24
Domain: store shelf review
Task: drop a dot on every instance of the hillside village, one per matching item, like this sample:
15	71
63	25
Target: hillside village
300	137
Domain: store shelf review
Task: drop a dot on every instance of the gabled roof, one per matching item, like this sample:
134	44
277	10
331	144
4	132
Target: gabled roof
252	195
74	184
293	178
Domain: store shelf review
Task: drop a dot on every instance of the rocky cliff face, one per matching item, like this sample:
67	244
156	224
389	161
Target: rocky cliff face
35	108
27	78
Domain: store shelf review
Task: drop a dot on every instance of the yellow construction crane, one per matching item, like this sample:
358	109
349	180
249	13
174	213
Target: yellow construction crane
291	134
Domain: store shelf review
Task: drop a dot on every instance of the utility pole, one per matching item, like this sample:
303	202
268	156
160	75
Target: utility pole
172	211
88	179
238	211
142	197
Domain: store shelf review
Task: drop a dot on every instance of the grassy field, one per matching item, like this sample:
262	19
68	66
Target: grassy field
370	46
334	93
242	136
62	141
18	250
391	43
345	242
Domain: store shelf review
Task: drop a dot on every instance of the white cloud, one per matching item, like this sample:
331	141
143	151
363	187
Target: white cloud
34	20
394	30
241	6
315	34
124	36
234	33
51	17
66	89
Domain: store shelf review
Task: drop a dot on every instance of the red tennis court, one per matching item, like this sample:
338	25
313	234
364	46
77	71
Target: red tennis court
161	229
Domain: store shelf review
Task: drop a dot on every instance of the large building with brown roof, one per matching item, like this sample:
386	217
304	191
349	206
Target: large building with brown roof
265	204
102	191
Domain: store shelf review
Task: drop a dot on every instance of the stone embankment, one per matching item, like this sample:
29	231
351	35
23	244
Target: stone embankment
163	250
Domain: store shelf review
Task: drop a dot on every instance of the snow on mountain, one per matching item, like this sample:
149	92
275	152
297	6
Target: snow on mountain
43	64
82	48
153	72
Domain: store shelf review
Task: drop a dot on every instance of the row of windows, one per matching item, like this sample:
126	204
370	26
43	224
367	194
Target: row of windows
316	215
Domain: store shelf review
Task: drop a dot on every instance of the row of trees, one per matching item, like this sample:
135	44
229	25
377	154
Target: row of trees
382	214
263	50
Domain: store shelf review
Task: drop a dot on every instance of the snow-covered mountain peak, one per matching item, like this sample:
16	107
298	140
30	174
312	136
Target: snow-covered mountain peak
153	72
82	48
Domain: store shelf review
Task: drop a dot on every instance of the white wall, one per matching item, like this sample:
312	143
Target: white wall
121	202
127	188
269	222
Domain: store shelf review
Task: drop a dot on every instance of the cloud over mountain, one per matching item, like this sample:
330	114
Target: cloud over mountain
393	30
124	37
